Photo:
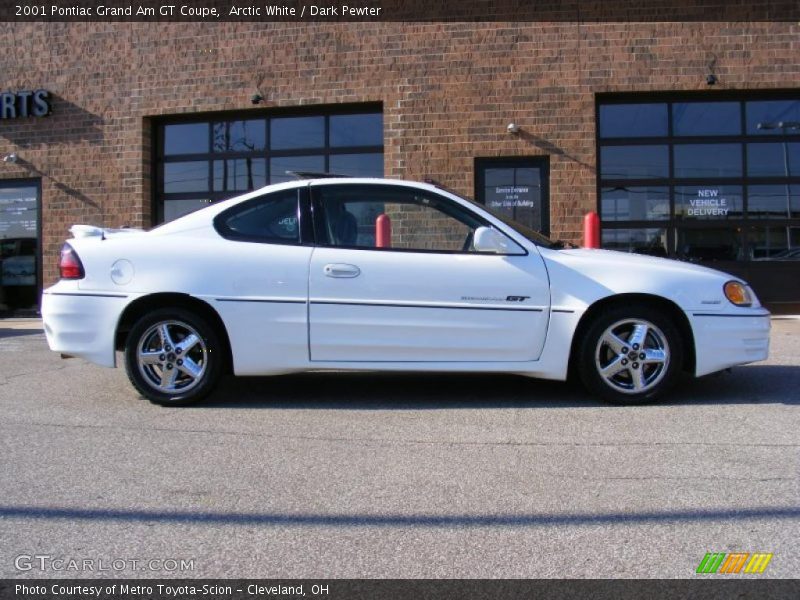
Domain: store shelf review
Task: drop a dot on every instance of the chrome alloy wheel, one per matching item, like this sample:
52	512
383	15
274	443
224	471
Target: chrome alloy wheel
172	357
632	356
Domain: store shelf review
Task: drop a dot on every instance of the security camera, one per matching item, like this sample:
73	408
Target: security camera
512	128
10	158
256	98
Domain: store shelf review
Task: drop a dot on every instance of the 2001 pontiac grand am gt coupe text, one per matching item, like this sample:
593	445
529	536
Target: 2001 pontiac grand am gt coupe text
355	274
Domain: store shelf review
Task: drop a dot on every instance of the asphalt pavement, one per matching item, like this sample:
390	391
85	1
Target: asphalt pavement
332	475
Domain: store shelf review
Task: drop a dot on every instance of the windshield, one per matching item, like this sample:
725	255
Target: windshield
530	234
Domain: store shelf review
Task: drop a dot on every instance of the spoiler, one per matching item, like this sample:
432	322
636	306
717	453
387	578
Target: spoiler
85	231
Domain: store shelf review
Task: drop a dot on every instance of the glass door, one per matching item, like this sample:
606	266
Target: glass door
518	188
19	245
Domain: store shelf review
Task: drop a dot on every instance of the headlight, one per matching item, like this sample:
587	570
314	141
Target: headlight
738	293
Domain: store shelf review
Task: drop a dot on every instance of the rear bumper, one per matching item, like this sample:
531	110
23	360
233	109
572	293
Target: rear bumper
82	324
728	339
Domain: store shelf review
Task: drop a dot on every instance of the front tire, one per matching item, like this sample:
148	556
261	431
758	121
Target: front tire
630	355
173	357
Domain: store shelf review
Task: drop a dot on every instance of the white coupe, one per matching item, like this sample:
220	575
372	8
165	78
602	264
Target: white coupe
374	274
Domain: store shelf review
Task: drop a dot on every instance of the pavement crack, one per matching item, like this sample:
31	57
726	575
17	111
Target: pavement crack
7	378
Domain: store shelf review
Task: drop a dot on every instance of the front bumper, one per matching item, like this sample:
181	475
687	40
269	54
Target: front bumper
724	340
82	324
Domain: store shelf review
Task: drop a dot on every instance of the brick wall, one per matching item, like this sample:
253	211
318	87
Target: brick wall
448	91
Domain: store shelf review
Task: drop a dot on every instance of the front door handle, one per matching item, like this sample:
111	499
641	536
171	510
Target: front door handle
341	270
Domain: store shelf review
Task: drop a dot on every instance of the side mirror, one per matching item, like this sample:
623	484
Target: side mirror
487	239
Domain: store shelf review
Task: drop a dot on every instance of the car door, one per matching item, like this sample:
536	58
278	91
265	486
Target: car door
260	280
394	278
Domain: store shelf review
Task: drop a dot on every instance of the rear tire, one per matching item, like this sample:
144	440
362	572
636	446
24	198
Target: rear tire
173	357
630	354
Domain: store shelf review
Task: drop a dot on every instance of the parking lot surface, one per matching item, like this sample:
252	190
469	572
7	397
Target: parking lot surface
360	475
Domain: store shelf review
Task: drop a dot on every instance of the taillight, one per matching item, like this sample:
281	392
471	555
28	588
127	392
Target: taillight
70	265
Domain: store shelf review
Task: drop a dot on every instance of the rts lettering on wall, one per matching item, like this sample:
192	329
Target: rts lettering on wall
14	105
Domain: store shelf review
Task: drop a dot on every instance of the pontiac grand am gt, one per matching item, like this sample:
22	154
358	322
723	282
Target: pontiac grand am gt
355	274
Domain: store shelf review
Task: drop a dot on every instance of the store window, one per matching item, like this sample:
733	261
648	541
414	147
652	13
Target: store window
714	181
632	120
692	119
203	161
707	161
635	162
640	241
635	203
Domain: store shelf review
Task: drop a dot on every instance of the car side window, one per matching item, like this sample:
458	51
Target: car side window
274	218
386	217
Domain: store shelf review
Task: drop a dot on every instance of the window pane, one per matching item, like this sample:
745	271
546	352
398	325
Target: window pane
634	203
708	160
177	208
18	210
640	241
240	136
239	175
515	193
497	176
706	118
634	162
297	132
358	165
773	160
27	247
772	112
716	202
18	272
272	218
189	138
775	243
773	201
418	221
633	120
186	177
420	226
360	230
18	246
502	181
709	244
357	130
8	248
279	166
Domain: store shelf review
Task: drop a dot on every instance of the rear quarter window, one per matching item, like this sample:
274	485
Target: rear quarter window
272	219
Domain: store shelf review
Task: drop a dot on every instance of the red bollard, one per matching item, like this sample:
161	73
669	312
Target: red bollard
591	230
383	232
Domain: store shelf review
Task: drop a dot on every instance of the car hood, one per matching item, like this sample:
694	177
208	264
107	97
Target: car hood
582	276
627	259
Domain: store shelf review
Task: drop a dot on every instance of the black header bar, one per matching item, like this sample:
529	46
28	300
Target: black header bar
327	11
